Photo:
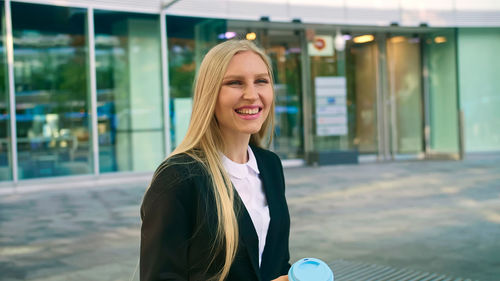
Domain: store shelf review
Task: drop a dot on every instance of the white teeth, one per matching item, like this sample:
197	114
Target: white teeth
248	111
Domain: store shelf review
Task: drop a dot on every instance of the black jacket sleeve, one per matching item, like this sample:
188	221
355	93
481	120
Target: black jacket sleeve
166	226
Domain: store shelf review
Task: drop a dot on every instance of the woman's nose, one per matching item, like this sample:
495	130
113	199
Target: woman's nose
251	92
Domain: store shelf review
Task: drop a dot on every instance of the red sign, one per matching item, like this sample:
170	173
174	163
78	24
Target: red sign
319	43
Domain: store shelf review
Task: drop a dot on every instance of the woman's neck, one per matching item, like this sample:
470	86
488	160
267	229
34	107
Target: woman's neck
236	148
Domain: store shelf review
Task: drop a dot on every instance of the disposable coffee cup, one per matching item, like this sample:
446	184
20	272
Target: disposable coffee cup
310	269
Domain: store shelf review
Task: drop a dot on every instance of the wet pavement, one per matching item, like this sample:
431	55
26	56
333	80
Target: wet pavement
441	217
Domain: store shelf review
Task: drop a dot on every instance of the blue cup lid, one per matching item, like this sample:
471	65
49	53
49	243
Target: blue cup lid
310	269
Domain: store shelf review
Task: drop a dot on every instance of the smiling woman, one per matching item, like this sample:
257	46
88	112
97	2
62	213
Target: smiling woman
216	208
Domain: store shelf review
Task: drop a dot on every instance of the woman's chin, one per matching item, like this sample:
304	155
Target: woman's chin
252	131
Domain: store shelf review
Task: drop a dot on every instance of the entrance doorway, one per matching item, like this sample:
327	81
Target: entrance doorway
404	89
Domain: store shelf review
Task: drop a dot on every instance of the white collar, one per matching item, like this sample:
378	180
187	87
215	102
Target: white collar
238	170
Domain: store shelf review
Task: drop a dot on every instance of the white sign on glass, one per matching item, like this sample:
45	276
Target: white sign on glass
331	106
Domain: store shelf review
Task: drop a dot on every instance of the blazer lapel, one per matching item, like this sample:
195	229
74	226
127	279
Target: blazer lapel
268	183
248	234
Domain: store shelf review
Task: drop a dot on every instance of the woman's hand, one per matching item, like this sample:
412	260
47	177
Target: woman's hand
281	278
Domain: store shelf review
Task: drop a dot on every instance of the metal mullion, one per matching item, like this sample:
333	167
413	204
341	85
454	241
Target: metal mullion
12	96
424	50
306	98
460	112
93	89
165	82
380	123
392	98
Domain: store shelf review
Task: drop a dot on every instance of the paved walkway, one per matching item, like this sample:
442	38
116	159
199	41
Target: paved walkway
440	217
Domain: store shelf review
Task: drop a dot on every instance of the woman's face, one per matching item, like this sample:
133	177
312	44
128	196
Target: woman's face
245	97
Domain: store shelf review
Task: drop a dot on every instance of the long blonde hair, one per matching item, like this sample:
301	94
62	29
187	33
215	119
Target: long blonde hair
203	141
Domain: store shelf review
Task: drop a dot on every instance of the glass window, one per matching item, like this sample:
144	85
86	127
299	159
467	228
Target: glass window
189	39
129	96
334	111
404	72
361	72
5	147
479	70
284	49
443	104
52	100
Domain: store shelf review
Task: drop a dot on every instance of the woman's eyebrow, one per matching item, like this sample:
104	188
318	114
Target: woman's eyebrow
242	77
233	77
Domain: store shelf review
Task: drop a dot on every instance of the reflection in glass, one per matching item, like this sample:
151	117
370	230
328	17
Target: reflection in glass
283	48
129	102
404	73
52	108
5	147
189	39
443	115
339	131
362	78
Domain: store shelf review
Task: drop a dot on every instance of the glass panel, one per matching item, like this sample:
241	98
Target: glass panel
361	71
283	48
479	72
5	142
52	100
443	106
129	99
334	119
404	75
188	41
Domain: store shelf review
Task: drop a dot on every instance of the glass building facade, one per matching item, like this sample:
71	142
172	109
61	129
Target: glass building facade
90	91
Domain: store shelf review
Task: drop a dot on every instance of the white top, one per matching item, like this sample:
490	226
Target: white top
245	178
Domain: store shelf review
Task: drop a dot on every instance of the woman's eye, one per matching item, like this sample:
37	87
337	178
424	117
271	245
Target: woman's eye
262	81
234	83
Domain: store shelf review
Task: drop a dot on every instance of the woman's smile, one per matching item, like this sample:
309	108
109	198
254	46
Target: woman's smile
249	112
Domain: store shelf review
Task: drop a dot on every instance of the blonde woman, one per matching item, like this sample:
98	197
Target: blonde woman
216	207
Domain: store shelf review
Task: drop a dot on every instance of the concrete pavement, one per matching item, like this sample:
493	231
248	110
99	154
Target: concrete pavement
431	216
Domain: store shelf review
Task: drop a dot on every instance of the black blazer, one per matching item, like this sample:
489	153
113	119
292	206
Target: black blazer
179	223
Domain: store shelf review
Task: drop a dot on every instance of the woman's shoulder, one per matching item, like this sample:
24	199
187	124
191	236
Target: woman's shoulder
177	175
180	166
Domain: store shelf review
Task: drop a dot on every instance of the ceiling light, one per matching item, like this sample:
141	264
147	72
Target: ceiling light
251	36
440	39
398	39
363	38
